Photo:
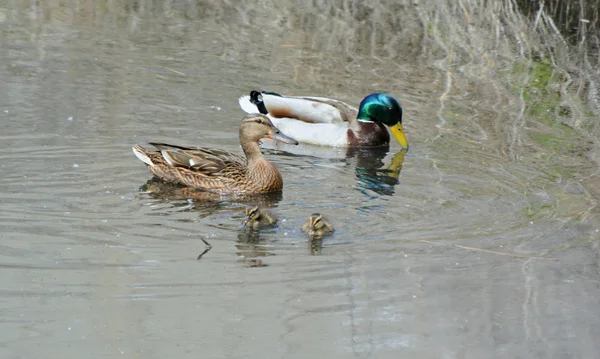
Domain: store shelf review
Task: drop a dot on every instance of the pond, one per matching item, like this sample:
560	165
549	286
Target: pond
480	241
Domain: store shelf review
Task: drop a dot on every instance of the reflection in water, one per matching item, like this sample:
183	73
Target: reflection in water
249	244
315	245
205	203
251	247
254	262
369	162
370	172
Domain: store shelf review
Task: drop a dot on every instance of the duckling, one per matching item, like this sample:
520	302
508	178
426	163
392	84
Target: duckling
257	217
317	226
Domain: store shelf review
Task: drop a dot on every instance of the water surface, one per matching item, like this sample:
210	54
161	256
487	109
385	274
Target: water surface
475	247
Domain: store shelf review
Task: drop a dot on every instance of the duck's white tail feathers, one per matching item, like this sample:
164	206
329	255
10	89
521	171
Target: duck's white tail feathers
138	151
246	105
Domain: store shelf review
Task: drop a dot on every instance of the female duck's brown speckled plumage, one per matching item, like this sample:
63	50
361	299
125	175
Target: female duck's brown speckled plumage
217	170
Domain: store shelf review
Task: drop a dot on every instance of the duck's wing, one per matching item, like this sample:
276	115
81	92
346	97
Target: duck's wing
306	109
208	161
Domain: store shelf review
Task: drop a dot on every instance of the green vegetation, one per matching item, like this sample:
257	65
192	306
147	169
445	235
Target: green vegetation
537	211
543	106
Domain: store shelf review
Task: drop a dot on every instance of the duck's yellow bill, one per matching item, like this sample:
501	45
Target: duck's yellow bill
398	133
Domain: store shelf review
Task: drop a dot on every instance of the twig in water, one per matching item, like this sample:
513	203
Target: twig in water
208	248
488	250
175	71
504	253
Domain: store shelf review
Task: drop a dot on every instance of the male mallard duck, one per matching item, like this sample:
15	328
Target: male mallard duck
328	122
257	217
217	170
317	226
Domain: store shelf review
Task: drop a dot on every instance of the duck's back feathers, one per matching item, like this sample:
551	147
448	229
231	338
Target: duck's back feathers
306	109
209	161
313	120
207	168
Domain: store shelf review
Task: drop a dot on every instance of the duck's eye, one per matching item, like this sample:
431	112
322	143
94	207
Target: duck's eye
259	121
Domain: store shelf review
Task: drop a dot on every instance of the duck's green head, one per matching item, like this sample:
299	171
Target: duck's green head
384	108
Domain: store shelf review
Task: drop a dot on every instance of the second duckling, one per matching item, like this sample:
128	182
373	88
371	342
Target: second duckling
317	226
257	217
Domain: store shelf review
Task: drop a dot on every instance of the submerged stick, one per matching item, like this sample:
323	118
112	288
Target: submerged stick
175	71
514	255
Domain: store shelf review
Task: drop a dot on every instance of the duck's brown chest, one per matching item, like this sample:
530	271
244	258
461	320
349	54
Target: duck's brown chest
369	134
264	177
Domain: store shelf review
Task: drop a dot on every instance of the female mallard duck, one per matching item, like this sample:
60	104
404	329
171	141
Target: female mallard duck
217	170
317	226
257	217
328	122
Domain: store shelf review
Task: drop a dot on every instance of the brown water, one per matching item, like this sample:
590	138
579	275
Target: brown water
480	248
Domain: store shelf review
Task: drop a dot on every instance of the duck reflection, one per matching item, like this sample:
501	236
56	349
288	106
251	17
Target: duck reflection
251	247
249	244
204	203
315	245
371	171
